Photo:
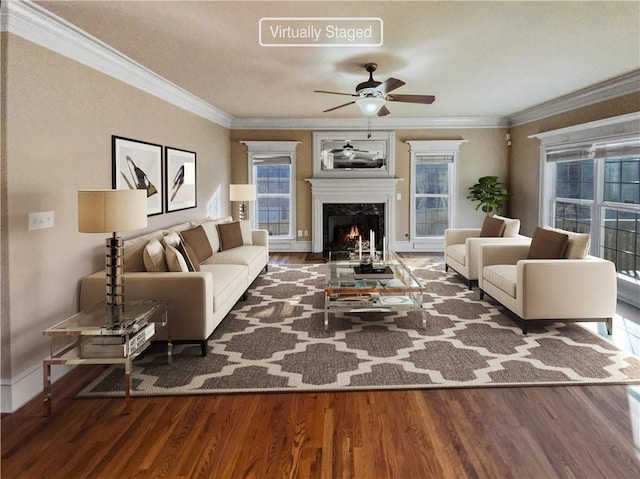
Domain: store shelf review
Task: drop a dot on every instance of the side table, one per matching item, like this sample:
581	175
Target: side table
90	339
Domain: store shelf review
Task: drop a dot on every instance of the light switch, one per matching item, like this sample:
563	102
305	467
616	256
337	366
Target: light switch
41	220
398	196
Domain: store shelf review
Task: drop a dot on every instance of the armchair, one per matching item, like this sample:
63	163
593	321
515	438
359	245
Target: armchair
577	287
462	247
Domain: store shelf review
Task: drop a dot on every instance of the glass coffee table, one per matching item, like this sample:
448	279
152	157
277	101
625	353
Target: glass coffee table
379	285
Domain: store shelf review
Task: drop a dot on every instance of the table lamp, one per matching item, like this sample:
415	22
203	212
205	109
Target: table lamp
242	193
110	211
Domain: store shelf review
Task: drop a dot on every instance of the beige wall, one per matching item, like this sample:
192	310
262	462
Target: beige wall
484	153
59	119
525	153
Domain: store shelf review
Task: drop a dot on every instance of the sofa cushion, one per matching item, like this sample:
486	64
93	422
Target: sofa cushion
230	235
492	227
197	241
210	226
154	257
578	246
175	260
512	228
502	276
456	251
548	244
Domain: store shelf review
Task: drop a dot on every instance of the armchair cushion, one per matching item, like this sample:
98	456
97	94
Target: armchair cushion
492	227
512	228
578	246
548	244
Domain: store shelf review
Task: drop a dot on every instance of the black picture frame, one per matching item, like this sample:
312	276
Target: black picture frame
181	179
138	165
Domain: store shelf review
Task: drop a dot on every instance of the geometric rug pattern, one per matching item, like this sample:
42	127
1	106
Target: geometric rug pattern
275	340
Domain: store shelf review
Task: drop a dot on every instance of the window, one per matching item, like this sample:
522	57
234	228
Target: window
595	184
432	190
272	170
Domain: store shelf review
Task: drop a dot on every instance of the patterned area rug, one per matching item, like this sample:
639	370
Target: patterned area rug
276	341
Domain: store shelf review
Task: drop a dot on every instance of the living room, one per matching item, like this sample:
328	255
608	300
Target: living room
62	103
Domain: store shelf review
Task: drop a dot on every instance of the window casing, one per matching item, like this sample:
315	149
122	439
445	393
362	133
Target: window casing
591	184
433	190
271	168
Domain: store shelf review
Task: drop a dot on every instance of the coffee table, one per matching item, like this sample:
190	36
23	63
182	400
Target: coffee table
397	289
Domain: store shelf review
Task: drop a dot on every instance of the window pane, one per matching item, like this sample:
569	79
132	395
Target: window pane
622	241
274	215
622	180
574	179
273	205
572	217
432	216
432	178
273	179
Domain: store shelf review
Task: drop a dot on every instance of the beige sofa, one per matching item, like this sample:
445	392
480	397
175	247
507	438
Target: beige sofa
462	247
577	287
197	300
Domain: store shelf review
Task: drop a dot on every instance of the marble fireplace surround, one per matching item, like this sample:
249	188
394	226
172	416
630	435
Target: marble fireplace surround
351	190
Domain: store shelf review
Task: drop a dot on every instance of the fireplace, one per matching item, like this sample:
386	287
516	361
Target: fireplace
360	197
347	223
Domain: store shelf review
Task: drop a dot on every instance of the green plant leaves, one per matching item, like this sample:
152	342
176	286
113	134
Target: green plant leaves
489	193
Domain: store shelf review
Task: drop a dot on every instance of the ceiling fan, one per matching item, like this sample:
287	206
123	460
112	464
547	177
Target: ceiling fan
372	95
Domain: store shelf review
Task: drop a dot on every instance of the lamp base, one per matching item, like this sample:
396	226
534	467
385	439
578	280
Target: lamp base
114	262
242	211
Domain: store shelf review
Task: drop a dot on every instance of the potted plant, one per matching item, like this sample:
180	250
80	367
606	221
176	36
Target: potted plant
489	193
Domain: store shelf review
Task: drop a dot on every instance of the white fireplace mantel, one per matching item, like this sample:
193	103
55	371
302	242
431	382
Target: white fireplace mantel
352	190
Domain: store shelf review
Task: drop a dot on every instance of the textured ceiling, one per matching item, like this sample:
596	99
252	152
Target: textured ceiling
478	58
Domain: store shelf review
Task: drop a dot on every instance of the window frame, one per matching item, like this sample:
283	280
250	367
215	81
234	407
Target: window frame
420	149
274	148
620	128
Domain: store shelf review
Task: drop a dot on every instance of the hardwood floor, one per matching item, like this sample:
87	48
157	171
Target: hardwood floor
533	432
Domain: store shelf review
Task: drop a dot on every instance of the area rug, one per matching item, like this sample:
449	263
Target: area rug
276	341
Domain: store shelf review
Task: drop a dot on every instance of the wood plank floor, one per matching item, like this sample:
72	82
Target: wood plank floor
533	432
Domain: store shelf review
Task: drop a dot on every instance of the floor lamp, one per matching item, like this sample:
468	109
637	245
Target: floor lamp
110	211
242	194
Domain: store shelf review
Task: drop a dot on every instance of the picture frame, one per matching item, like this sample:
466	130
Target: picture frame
181	184
138	165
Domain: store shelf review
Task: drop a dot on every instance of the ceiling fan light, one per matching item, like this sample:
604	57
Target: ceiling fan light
370	105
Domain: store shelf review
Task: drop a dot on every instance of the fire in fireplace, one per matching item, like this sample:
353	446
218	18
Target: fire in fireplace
347	223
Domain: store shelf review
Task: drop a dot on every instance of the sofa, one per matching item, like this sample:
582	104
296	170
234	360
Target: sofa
200	268
536	283
462	245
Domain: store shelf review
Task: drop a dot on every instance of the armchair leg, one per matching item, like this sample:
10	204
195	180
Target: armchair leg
203	347
525	327
609	322
446	268
481	295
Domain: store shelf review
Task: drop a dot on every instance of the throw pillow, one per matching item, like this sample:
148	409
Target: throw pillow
492	227
230	235
197	240
512	227
190	257
171	238
211	229
153	257
185	255
548	244
175	260
245	228
579	243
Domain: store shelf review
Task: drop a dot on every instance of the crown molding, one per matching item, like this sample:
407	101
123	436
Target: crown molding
607	90
32	22
362	123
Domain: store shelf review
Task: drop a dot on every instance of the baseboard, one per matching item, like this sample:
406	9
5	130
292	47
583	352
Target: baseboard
16	392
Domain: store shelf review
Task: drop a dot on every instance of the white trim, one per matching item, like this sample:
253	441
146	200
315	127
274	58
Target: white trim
34	23
607	90
361	123
435	148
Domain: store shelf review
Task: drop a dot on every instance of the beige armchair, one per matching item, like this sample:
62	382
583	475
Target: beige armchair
462	247
578	287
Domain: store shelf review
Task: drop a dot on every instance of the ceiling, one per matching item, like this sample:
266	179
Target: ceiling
478	58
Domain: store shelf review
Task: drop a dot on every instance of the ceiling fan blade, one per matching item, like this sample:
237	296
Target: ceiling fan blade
384	111
390	84
427	99
339	106
334	92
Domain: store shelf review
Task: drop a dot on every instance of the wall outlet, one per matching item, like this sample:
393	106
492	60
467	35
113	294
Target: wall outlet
306	233
398	196
299	232
41	220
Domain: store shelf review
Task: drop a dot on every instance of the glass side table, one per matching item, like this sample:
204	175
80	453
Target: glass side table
88	338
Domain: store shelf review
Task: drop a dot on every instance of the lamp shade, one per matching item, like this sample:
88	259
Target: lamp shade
107	211
242	192
370	105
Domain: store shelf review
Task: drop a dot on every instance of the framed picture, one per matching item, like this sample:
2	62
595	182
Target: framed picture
180	179
138	165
